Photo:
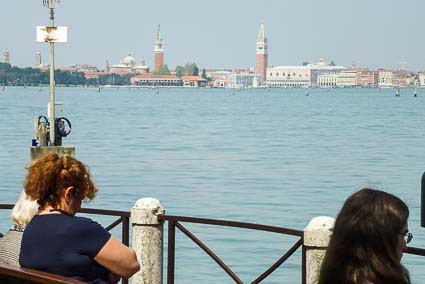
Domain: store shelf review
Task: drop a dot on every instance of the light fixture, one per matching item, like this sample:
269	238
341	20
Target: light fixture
51	4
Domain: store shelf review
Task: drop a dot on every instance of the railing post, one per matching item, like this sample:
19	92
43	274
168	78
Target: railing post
423	200
316	240
147	240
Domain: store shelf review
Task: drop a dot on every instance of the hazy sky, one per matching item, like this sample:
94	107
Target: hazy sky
222	33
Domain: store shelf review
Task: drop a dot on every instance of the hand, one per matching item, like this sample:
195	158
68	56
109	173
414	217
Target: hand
113	278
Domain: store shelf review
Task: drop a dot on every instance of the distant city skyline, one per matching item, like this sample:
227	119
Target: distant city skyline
221	34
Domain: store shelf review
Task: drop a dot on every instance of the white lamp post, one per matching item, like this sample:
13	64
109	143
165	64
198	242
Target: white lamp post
52	4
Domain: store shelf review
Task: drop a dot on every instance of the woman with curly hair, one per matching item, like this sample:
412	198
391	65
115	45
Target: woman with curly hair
367	241
56	240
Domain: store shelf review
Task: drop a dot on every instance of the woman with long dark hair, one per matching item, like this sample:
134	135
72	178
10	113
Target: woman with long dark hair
367	241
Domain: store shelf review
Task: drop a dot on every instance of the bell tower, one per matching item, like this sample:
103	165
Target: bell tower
158	51
262	53
6	56
37	60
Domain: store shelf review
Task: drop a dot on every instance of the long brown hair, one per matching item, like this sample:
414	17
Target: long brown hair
50	174
362	248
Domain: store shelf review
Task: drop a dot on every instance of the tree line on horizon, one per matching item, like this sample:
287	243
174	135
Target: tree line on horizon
15	76
28	76
190	69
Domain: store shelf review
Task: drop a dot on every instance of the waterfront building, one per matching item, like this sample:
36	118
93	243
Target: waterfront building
262	55
158	51
367	78
242	80
219	78
128	66
348	78
255	82
219	73
150	80
37	59
141	68
385	78
402	78
225	72
407	78
84	68
352	77
324	75
421	77
327	78
318	74
410	80
226	78
72	68
90	71
6	56
193	81
388	78
125	66
219	82
289	76
93	75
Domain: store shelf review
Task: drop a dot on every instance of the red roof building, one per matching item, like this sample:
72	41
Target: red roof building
194	81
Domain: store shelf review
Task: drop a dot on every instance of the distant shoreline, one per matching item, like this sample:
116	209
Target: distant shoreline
181	87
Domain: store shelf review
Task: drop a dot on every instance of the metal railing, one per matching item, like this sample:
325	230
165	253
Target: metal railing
415	251
175	222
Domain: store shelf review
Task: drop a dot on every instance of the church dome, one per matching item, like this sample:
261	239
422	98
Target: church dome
129	60
321	62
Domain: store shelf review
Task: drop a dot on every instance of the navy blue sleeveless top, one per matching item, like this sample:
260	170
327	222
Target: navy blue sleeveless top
65	245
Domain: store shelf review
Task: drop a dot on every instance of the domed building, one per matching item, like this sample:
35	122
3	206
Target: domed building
141	68
128	65
129	60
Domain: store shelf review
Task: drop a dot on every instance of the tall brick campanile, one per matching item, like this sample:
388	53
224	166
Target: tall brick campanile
261	66
158	51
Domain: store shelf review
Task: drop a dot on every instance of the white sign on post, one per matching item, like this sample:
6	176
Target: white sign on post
52	34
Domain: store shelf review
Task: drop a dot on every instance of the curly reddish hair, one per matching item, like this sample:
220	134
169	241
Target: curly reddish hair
50	174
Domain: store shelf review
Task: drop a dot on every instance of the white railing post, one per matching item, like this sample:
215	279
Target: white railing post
147	240
316	240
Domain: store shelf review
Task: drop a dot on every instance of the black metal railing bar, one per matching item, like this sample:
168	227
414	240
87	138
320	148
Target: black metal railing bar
209	252
174	221
227	223
279	262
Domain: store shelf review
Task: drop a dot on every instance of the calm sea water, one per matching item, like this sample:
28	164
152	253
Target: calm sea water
274	157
